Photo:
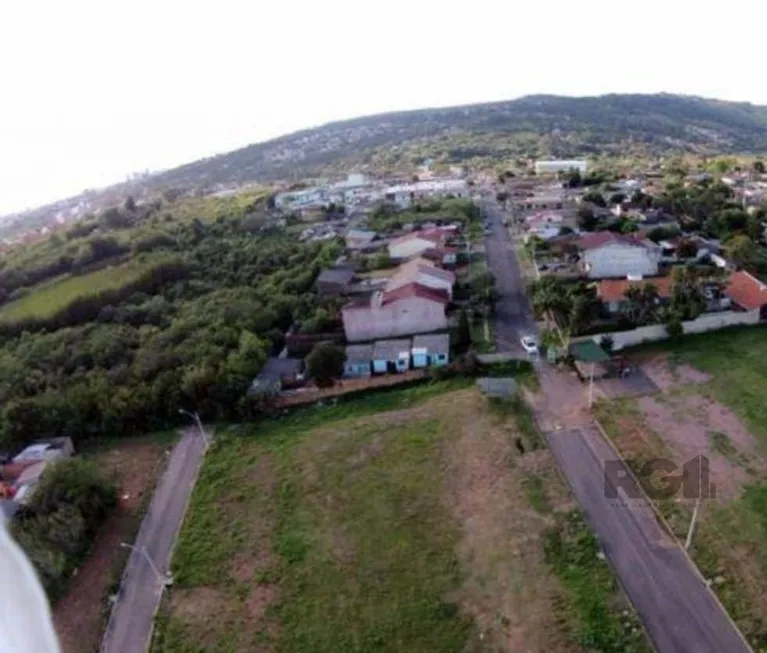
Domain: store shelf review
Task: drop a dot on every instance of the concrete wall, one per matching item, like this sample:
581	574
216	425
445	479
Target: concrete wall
655	332
401	318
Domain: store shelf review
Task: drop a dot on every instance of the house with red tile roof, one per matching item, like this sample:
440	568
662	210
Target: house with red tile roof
424	272
612	292
418	242
747	292
409	309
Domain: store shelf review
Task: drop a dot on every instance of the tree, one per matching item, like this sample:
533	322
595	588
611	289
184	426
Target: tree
643	304
741	250
130	204
686	248
596	198
758	166
325	363
463	336
617	198
687	298
586	219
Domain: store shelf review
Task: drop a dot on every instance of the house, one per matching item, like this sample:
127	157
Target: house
606	254
359	238
431	350
417	242
46	450
391	356
358	361
612	292
747	292
334	281
28	479
424	272
412	308
276	373
446	256
553	167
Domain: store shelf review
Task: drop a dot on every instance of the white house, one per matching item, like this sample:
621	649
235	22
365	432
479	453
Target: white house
552	167
418	242
609	255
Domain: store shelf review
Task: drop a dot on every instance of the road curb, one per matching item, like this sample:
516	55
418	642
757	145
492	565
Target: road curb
662	520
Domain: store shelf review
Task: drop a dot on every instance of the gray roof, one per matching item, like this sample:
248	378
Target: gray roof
433	342
361	234
336	275
359	353
276	368
390	350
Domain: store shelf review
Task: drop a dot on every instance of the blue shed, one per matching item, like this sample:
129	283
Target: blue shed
358	361
391	356
431	350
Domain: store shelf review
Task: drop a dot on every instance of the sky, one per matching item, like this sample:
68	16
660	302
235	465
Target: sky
92	91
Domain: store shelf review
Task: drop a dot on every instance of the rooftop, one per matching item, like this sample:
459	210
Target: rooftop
359	353
599	239
390	350
275	368
433	342
614	290
415	290
746	291
336	275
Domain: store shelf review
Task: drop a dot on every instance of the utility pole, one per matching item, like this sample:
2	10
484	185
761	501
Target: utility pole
591	386
691	530
196	417
165	579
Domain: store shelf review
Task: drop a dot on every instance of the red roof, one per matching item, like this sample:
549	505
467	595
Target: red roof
746	291
415	290
601	238
614	290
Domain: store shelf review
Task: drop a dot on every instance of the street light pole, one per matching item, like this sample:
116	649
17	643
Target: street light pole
165	579
196	417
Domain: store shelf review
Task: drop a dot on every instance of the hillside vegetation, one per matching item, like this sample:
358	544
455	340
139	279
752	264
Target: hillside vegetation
543	125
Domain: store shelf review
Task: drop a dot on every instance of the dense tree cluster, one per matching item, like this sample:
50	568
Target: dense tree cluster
192	332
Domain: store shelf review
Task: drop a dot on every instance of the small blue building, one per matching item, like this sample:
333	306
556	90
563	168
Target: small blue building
391	356
431	350
359	359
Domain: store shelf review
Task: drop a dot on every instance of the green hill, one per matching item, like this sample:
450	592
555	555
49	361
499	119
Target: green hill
541	125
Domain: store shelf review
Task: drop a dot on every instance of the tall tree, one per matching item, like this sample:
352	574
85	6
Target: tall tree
325	363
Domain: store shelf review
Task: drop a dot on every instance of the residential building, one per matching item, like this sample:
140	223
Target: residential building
612	292
431	350
391	356
424	272
413	308
417	242
359	359
403	195
747	292
553	167
276	373
359	238
51	449
606	254
334	281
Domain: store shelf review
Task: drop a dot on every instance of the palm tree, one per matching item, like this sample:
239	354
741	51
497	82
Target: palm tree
549	298
643	304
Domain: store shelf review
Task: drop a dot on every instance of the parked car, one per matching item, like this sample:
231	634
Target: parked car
529	344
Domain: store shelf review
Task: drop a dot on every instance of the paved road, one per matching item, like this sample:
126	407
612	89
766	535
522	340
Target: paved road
130	624
678	610
513	316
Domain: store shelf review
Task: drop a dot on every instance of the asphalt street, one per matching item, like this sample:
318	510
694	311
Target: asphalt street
130	624
678	610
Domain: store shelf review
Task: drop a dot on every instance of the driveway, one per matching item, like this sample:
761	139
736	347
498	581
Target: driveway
678	610
130	624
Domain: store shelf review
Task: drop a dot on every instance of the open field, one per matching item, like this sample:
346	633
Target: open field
79	616
48	298
711	404
411	521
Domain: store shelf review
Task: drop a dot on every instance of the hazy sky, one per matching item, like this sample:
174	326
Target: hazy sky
90	91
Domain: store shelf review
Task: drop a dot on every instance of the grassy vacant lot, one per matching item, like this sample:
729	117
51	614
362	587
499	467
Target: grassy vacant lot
724	419
50	297
407	521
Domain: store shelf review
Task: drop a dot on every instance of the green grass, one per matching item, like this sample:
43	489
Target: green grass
362	543
572	550
50	297
535	491
722	444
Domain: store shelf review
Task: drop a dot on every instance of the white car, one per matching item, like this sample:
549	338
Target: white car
529	344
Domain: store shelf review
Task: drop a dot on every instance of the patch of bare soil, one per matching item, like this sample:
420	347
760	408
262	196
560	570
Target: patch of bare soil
692	425
78	615
667	375
508	590
200	605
